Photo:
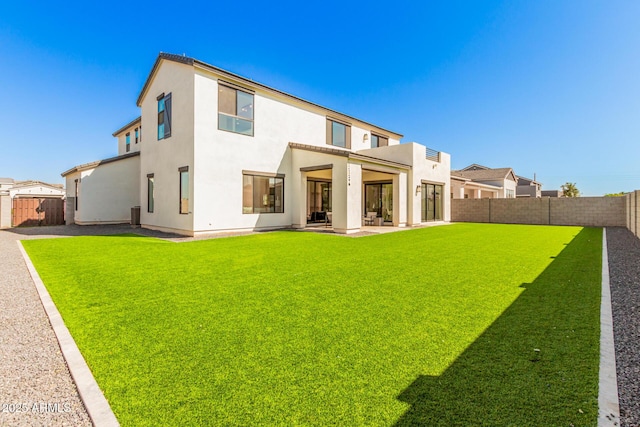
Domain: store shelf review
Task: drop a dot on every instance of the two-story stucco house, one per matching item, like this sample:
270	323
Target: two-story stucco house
221	152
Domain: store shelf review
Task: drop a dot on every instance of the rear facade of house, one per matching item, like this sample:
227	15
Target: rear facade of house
214	152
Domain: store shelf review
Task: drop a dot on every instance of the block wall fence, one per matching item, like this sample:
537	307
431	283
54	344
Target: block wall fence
633	212
584	211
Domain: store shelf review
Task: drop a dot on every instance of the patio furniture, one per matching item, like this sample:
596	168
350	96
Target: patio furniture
370	218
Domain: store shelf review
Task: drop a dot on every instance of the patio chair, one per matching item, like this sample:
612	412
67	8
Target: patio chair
370	218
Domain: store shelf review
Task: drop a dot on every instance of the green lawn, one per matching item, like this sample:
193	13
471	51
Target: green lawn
434	326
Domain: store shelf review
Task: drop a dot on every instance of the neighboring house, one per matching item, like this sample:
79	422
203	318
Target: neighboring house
526	187
223	153
552	193
30	203
480	182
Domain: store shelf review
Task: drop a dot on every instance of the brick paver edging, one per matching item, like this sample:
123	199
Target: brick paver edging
94	401
608	405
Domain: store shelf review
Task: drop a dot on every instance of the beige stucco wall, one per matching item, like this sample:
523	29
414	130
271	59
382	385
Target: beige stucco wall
585	211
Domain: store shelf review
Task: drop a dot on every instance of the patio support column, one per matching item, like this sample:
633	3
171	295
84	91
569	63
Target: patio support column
299	201
346	190
400	205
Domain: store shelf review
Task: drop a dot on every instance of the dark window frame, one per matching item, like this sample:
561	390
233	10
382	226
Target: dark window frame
76	194
137	135
183	210
330	133
382	141
236	116
150	192
127	142
164	116
279	179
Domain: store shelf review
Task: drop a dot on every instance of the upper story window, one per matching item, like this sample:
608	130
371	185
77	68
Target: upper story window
379	141
235	110
127	143
338	134
137	137
164	116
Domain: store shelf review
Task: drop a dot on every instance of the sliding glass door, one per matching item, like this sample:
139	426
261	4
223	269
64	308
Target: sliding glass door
378	198
318	199
431	202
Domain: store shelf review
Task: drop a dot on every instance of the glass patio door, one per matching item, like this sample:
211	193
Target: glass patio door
378	198
431	202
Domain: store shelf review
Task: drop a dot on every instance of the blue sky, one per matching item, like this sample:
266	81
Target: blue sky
547	87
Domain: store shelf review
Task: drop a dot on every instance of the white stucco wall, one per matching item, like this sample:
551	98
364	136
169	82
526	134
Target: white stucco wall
220	157
106	192
5	210
36	190
122	139
423	170
164	157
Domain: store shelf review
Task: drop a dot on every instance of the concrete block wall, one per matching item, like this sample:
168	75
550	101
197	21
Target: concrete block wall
470	210
632	205
523	211
588	211
584	211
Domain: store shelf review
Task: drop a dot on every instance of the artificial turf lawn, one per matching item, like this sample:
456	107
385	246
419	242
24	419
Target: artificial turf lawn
433	326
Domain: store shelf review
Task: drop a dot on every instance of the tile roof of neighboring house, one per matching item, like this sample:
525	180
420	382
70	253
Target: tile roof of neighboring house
99	162
456	175
7	180
192	61
475	167
128	125
485	174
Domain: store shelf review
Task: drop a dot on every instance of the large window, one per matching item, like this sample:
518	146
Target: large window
379	141
184	190
235	110
164	116
431	195
127	143
150	183
511	194
262	194
338	134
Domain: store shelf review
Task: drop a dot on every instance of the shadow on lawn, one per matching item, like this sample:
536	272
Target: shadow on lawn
501	379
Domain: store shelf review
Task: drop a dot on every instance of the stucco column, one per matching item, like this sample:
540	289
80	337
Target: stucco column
346	188
400	201
299	200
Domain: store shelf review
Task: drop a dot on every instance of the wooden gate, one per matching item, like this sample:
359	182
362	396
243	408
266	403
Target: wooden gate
29	212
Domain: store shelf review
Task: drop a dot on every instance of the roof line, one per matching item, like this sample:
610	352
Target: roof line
98	163
347	154
123	128
192	61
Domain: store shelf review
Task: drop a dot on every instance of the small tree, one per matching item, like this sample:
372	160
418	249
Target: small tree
570	190
614	194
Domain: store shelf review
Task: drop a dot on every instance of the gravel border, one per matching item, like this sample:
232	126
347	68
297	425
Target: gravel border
624	272
36	388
